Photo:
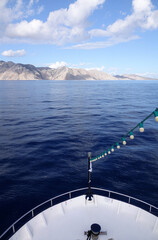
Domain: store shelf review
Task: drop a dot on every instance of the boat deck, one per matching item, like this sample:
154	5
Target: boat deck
70	219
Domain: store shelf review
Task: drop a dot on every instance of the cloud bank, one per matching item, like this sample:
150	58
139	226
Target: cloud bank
69	26
143	17
61	27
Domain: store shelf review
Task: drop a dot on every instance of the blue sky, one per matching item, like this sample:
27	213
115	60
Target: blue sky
118	37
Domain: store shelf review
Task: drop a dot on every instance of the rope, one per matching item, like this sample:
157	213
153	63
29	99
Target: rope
89	235
123	139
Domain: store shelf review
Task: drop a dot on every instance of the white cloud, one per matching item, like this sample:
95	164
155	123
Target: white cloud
123	13
107	43
140	6
31	10
113	70
58	64
102	68
80	65
77	65
148	74
90	45
11	53
5	14
40	9
31	3
69	25
62	26
122	30
18	10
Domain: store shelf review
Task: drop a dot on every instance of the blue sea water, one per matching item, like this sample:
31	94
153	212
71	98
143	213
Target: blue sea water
47	129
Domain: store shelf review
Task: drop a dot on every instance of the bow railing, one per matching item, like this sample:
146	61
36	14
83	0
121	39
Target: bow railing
71	194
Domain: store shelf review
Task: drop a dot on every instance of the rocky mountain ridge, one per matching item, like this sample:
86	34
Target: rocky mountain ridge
18	71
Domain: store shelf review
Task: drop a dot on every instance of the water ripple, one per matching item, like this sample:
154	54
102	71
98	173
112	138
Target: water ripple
47	128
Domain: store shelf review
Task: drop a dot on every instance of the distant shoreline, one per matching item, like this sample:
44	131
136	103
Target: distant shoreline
17	71
117	80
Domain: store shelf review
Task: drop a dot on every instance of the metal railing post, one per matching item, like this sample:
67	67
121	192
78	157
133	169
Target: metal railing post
32	213
13	228
150	208
69	195
109	194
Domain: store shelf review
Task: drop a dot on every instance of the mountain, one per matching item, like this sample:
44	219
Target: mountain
65	73
12	71
132	77
18	71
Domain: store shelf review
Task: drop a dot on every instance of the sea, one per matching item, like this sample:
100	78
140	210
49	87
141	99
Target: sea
47	129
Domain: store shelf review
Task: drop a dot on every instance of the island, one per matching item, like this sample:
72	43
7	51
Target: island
17	71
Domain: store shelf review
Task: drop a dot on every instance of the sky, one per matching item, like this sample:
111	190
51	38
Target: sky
115	36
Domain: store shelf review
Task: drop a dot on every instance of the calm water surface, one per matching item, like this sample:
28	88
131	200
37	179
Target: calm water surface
48	127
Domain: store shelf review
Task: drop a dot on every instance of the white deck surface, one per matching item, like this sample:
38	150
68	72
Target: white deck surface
68	221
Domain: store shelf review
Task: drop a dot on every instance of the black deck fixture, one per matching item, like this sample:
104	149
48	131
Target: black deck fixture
89	194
